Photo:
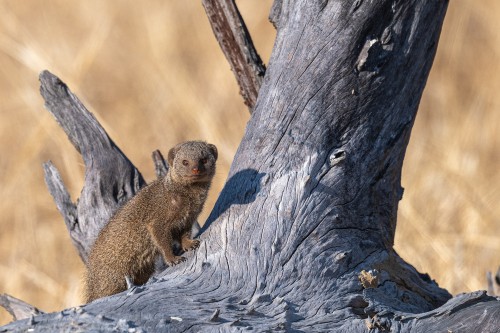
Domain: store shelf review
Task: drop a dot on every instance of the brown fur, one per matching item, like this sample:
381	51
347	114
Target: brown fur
149	224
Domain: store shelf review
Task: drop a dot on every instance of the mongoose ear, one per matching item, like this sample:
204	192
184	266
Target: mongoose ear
213	149
171	156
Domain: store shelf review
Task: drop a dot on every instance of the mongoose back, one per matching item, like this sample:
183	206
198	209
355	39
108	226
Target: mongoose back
150	222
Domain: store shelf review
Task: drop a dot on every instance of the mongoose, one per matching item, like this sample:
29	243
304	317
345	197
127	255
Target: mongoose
148	225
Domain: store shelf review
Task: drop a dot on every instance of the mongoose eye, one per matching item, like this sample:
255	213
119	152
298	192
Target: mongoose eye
185	162
204	160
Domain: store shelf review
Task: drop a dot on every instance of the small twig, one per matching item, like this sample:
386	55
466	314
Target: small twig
215	316
493	283
489	281
161	166
236	44
65	206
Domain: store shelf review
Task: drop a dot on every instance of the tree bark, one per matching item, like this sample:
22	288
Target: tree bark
300	239
17	308
236	44
110	178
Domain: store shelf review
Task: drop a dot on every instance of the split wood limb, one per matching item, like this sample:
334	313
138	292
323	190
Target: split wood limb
110	178
236	44
18	309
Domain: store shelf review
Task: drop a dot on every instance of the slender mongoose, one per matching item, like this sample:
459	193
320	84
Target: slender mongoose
150	222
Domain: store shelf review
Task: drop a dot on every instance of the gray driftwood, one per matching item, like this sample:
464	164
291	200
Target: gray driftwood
17	308
110	178
301	237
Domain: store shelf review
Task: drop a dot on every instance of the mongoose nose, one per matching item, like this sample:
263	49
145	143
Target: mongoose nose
195	171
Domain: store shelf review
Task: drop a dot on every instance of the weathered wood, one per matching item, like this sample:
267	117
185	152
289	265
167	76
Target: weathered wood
110	178
236	44
67	208
300	239
474	312
17	308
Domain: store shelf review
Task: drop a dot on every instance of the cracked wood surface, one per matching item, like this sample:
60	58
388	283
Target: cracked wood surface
309	207
236	44
110	178
17	308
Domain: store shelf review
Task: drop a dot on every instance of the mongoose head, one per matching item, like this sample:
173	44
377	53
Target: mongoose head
192	162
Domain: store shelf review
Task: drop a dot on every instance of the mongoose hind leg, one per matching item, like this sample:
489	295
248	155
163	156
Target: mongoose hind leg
141	277
98	288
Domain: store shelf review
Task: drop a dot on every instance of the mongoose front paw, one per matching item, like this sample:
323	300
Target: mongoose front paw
177	260
194	244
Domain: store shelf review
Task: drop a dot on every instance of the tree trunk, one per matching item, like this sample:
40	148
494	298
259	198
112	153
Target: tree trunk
300	239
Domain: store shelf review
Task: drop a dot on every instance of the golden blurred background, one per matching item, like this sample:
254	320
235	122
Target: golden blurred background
154	76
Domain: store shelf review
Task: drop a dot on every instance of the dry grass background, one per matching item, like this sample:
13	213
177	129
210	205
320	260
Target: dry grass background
154	76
